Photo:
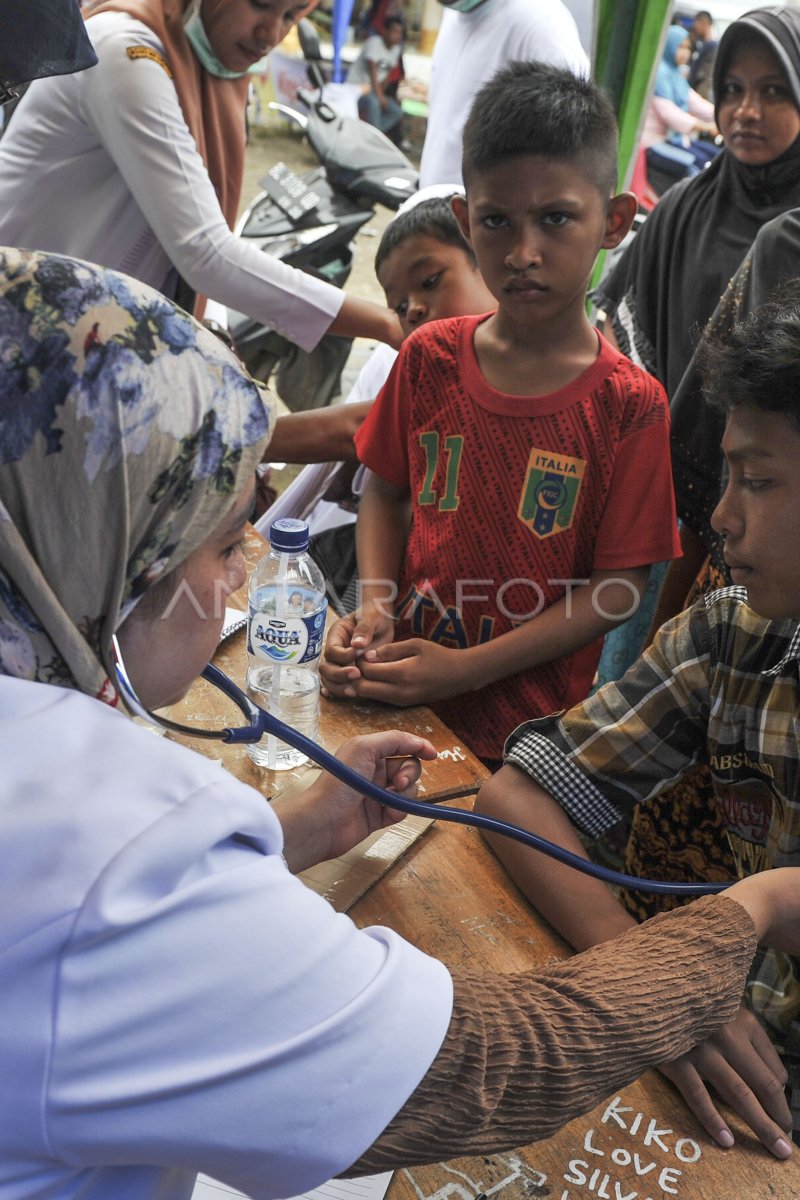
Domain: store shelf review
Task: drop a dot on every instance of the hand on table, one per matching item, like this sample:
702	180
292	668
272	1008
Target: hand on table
414	671
411	672
347	640
740	1065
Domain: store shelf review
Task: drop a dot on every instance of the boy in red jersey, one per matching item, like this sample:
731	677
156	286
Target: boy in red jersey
522	481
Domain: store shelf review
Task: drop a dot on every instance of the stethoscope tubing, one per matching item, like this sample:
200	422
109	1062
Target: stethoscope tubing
462	816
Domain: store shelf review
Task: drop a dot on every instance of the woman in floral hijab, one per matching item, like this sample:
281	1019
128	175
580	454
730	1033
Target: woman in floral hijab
126	433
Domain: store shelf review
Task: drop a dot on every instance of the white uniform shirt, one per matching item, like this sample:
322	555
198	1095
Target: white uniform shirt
470	48
101	165
384	58
171	998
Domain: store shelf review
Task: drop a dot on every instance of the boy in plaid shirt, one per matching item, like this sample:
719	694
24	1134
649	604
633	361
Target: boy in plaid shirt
720	686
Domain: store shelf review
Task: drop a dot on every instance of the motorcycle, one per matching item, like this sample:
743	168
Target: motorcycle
660	167
310	221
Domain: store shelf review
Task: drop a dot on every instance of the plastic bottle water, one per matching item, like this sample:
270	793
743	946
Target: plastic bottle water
285	630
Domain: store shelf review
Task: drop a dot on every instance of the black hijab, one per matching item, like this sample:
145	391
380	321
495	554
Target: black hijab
42	37
696	433
667	285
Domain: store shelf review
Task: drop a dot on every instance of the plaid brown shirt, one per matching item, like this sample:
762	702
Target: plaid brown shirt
719	686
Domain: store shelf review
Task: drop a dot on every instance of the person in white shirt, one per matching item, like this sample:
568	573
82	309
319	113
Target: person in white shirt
476	38
137	163
378	58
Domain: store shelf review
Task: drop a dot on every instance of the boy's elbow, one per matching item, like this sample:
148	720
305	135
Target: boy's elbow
508	795
617	595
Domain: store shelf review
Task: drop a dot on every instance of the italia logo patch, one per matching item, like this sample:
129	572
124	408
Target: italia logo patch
550	492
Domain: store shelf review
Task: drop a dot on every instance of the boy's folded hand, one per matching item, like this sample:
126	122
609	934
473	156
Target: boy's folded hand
412	672
345	644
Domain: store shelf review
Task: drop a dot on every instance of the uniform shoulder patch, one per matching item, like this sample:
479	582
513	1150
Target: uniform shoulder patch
148	52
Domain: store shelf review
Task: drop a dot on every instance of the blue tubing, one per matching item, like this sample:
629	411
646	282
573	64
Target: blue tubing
462	816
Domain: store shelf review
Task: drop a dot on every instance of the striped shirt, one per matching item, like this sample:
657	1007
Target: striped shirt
720	686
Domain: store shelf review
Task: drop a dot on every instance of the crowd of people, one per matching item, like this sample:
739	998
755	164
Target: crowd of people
517	489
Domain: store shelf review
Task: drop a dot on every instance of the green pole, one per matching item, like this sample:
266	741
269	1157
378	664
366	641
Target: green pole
628	41
629	38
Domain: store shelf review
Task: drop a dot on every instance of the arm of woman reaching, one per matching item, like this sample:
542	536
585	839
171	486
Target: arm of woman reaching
526	1053
317	435
737	1061
133	108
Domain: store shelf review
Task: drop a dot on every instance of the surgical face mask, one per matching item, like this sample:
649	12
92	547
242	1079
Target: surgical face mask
202	47
464	6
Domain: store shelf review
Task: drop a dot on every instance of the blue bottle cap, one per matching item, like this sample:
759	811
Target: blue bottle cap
288	535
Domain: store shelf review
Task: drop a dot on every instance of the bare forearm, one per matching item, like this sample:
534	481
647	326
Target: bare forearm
381	532
321	435
362	318
306	836
585	614
583	910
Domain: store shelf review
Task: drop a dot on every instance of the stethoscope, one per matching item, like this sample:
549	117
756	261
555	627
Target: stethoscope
260	722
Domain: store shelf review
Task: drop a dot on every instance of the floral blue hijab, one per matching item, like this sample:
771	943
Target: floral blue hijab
126	432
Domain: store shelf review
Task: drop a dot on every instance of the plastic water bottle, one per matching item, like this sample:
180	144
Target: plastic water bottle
285	630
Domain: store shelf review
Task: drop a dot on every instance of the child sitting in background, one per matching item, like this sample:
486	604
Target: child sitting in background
515	456
372	72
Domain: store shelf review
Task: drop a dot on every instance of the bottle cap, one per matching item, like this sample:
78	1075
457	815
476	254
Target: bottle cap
288	535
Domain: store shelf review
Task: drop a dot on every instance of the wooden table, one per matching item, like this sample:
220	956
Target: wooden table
442	888
456	773
450	897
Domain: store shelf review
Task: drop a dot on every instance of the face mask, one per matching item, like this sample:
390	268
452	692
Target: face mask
464	6
202	47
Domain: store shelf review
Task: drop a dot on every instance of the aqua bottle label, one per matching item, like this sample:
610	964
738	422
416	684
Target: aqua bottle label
289	640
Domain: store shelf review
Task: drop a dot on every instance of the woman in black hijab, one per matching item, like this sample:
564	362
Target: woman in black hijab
669	282
46	38
658	300
664	289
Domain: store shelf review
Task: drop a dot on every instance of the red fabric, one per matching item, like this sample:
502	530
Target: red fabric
610	427
640	184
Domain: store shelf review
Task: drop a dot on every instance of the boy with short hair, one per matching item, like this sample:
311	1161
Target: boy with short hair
515	456
720	685
427	271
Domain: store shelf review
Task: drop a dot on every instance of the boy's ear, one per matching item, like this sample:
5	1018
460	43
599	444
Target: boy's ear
619	218
461	214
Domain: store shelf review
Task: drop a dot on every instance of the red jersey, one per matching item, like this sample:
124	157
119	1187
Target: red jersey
514	499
